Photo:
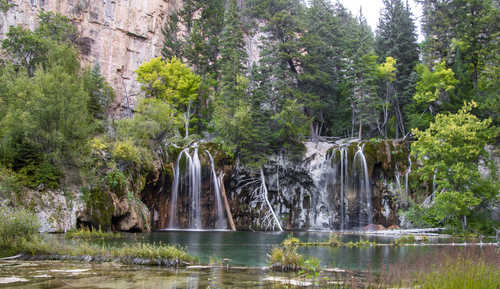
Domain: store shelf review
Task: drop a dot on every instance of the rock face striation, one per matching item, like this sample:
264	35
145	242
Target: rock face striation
117	35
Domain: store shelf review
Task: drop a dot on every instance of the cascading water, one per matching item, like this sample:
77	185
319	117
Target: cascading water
407	188
173	222
193	174
364	189
195	188
221	222
344	181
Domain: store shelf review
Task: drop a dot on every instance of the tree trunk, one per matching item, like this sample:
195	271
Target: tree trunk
226	203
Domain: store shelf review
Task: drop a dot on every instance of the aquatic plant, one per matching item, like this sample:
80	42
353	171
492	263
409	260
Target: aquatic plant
88	234
286	258
445	268
334	241
410	239
137	253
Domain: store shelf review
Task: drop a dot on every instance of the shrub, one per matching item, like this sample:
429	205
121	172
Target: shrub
16	226
117	181
126	151
34	175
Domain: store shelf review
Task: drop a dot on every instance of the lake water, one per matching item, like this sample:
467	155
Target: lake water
241	248
252	248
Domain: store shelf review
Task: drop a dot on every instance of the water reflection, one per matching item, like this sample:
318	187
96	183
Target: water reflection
251	248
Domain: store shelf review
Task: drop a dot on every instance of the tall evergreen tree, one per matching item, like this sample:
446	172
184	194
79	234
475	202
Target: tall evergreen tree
464	34
397	38
233	55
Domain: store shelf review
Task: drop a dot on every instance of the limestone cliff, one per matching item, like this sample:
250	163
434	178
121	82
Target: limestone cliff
118	35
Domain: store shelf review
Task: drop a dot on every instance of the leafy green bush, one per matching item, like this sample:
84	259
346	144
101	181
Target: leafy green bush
450	151
5	5
126	151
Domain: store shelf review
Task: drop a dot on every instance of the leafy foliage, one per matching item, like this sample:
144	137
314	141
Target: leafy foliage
433	83
450	149
173	81
50	106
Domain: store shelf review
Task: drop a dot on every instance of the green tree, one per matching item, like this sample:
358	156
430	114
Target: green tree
367	104
173	81
451	149
233	56
198	44
397	38
433	86
49	103
29	49
325	53
100	93
464	34
387	74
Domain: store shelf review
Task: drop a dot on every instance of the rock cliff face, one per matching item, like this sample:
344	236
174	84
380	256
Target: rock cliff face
116	34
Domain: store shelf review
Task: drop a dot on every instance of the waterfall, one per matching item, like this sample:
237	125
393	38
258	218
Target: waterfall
407	188
195	186
364	187
398	180
344	181
172	224
220	223
192	187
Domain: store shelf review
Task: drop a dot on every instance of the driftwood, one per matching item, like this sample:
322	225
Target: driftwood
226	204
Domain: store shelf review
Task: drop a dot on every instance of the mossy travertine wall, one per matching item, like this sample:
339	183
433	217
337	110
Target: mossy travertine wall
118	35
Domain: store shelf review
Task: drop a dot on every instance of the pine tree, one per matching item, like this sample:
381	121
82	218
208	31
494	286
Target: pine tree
397	38
323	63
465	35
233	55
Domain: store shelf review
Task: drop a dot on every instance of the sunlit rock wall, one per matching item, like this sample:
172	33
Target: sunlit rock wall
118	35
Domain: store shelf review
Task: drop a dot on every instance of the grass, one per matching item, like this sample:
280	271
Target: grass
445	269
334	241
146	251
87	234
462	274
19	234
286	258
17	227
